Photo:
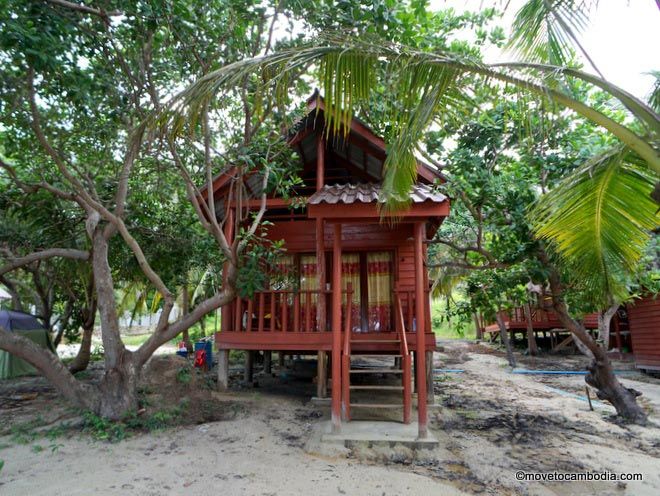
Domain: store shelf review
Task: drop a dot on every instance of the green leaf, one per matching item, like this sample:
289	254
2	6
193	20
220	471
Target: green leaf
599	219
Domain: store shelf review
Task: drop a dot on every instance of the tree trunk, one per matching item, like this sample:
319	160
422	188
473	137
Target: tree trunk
601	375
604	323
531	338
50	366
118	387
477	326
81	361
504	336
185	309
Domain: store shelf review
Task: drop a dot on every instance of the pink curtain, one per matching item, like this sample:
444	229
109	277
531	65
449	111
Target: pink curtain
379	280
350	272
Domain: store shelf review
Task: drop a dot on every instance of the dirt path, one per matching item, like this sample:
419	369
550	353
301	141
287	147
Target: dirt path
256	454
490	424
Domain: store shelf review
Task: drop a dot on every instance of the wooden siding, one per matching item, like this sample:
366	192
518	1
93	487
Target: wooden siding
644	321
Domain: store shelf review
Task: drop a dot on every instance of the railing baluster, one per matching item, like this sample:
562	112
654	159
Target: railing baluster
409	302
248	324
296	312
285	311
260	325
308	311
237	315
273	295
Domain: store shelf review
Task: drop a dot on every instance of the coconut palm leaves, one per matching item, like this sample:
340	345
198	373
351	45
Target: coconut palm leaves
426	85
547	30
599	219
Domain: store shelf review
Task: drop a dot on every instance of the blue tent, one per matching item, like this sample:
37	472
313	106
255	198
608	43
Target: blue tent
28	326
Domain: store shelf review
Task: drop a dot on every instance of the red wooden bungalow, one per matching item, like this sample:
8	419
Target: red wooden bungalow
543	322
644	323
360	285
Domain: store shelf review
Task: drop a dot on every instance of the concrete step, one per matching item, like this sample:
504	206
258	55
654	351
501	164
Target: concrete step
376	405
376	387
376	371
372	355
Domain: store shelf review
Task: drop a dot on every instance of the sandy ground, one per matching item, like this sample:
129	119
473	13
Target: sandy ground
490	423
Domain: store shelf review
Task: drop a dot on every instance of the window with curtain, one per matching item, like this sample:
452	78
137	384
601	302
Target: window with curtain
350	272
283	273
379	281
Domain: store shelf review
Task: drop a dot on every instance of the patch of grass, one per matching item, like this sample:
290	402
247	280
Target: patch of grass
103	429
135	339
37	448
183	375
452	328
54	447
2	464
25	433
57	432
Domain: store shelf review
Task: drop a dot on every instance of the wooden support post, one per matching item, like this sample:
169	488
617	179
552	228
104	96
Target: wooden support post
322	375
249	367
407	396
320	272
280	359
320	162
336	329
531	338
268	361
420	294
223	370
414	365
429	378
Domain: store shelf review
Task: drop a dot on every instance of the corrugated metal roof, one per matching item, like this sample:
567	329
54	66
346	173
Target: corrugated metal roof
369	193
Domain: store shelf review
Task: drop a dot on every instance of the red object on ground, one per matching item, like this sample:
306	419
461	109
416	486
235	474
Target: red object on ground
200	358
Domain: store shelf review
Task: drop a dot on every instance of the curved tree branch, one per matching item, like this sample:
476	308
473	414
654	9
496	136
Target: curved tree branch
50	366
44	255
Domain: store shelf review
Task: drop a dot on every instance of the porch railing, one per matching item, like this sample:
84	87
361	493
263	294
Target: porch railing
280	311
406	361
406	301
297	311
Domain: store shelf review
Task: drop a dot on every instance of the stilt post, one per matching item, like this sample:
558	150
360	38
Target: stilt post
336	329
420	294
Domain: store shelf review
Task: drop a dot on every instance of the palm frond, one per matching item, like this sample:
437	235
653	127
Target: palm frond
648	114
427	82
548	30
599	219
654	97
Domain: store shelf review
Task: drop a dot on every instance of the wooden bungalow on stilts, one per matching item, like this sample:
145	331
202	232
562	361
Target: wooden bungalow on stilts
361	285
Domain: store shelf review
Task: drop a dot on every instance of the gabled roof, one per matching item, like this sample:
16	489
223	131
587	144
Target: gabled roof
369	193
361	151
359	132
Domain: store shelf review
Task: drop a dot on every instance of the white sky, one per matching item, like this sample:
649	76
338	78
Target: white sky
623	38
